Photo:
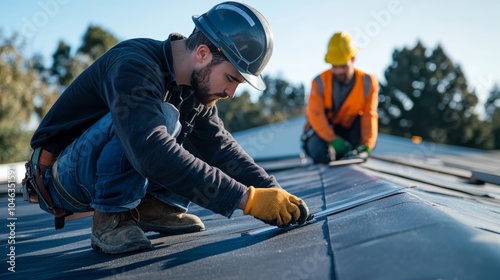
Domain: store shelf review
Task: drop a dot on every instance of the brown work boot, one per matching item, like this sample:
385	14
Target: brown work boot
161	217
115	233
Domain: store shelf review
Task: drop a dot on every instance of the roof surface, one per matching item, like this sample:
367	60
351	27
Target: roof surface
440	222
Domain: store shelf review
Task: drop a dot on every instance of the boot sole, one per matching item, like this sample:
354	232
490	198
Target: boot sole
118	249
146	227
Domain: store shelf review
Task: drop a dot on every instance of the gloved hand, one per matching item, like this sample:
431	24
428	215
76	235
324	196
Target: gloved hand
276	207
341	147
362	151
363	148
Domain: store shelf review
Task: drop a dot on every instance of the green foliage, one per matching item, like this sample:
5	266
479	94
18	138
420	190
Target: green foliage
240	113
61	66
95	42
28	89
280	101
492	109
492	104
428	96
24	95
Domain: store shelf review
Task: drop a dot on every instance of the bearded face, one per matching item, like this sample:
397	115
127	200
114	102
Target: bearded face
200	82
344	73
341	78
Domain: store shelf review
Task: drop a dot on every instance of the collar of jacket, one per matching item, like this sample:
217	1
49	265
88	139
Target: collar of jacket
171	86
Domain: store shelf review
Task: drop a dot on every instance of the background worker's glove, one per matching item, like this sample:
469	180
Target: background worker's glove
363	148
276	207
363	151
341	147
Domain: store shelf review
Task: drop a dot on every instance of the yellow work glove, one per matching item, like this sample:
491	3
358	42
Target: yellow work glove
276	207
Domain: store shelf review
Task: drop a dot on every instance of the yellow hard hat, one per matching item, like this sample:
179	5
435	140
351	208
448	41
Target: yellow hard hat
340	49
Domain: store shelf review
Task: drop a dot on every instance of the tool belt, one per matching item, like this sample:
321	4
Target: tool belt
35	191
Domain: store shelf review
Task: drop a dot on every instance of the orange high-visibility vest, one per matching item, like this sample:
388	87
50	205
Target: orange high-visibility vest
361	101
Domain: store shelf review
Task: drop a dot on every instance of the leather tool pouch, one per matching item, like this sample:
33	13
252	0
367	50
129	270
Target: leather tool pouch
34	190
30	189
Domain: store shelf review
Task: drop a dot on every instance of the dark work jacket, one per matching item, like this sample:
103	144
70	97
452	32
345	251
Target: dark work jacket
131	81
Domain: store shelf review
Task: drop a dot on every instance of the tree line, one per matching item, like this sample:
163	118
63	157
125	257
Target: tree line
424	94
427	95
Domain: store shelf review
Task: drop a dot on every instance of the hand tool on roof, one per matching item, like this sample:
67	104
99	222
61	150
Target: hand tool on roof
330	211
351	157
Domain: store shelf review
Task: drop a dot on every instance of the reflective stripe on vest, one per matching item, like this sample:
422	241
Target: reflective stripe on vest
368	84
319	83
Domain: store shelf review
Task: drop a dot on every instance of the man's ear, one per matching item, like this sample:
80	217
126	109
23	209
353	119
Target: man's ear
203	54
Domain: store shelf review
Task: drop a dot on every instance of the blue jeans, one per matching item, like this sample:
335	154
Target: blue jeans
95	171
317	148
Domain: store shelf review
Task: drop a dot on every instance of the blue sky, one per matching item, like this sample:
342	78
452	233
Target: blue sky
467	30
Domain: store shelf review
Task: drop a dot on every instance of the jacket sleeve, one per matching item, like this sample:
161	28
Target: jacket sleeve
369	119
316	116
133	89
211	142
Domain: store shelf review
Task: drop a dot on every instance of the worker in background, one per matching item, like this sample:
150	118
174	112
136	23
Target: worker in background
136	137
342	117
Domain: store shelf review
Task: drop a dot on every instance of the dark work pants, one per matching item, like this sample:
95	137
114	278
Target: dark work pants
95	171
317	149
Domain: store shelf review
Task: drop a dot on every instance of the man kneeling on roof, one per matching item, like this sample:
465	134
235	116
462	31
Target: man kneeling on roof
342	118
136	136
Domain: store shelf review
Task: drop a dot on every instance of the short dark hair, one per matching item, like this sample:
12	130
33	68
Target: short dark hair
198	38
